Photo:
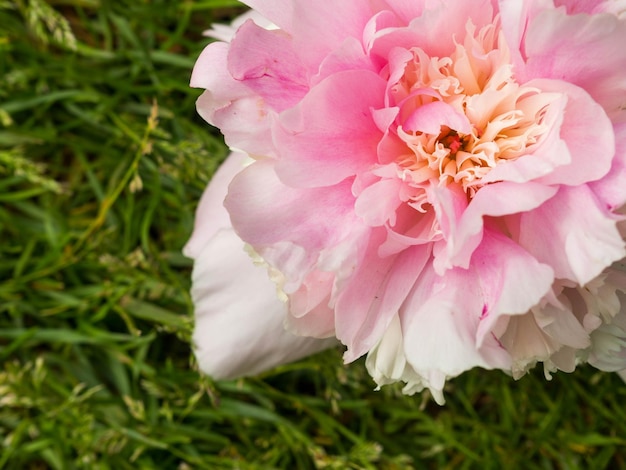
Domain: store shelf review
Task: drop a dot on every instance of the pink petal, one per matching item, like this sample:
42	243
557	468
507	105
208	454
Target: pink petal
390	145
587	132
381	22
611	189
515	17
335	113
450	331
430	117
321	27
412	228
439	324
314	290
382	38
449	204
374	295
573	234
452	17
580	6
239	335
378	202
210	72
290	225
318	322
555	43
407	10
511	280
244	122
242	117
494	200
349	56
266	62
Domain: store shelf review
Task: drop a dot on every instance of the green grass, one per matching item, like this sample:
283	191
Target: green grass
102	162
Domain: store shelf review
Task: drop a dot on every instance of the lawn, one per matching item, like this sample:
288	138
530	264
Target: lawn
102	162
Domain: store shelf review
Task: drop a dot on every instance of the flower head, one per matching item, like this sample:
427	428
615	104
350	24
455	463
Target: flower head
436	184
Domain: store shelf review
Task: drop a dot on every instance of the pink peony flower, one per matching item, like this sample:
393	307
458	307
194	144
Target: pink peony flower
436	184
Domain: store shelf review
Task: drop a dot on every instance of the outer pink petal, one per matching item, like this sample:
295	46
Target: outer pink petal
439	325
243	117
382	37
210	72
349	56
374	295
515	16
244	122
407	10
616	7
211	215
321	27
289	227
555	43
573	234
450	331
239	320
587	132
452	17
266	62
330	135
612	188
511	280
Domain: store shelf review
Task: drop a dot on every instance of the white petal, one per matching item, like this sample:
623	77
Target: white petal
239	320
211	215
386	363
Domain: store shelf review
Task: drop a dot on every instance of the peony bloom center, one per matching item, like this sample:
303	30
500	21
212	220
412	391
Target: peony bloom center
460	116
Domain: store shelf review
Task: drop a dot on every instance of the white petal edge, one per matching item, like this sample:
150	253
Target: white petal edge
239	327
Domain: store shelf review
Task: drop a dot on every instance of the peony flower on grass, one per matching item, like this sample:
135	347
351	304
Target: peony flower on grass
436	184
